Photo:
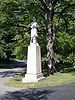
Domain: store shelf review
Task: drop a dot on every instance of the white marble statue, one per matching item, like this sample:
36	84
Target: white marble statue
34	34
34	71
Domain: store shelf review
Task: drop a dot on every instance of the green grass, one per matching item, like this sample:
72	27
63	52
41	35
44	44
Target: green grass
57	79
65	75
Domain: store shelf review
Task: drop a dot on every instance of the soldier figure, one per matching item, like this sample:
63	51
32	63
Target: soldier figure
34	27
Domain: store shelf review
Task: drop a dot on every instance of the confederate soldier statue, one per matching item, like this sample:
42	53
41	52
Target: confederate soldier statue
34	35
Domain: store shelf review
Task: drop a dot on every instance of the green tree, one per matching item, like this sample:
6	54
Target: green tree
59	9
7	28
53	16
51	13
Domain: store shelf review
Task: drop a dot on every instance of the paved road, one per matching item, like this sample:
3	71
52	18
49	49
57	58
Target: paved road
65	92
19	63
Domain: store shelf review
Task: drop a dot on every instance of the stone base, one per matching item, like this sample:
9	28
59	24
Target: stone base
32	78
34	72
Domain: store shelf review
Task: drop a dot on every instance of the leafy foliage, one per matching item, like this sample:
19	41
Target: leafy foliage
17	15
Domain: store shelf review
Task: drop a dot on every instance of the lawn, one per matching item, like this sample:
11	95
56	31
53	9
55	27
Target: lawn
57	79
65	75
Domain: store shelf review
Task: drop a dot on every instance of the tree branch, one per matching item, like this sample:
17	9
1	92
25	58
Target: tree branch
65	22
59	5
56	27
57	24
24	26
27	27
45	5
43	29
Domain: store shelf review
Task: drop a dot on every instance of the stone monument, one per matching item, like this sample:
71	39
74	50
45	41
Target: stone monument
34	72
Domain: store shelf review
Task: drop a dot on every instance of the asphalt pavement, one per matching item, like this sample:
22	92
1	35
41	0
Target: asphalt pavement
64	92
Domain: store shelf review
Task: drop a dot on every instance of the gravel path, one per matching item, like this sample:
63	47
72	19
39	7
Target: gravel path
7	74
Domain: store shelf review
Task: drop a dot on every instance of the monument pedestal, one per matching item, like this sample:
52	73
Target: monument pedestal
34	73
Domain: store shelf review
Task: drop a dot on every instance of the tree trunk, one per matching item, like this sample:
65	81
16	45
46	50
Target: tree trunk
50	52
49	11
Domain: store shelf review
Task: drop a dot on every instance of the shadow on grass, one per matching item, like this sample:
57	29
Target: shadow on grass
65	68
60	67
31	94
20	77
